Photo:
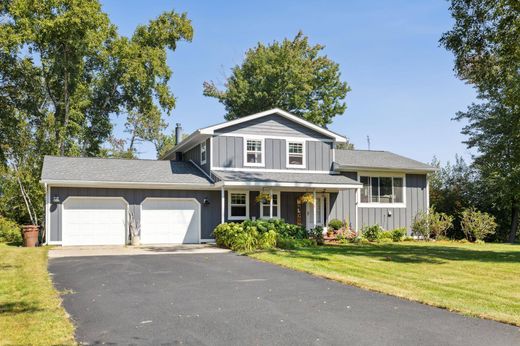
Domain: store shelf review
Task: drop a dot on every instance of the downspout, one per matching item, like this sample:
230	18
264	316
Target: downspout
222	202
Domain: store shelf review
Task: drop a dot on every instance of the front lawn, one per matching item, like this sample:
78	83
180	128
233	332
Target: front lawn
30	310
475	279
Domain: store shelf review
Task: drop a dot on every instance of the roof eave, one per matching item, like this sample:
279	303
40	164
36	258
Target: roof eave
388	169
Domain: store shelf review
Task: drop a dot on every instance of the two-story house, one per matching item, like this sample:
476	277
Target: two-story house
215	174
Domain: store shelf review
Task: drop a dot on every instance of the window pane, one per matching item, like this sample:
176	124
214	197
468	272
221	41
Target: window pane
275	199
238	198
254	145
254	157
385	190
398	190
238	211
365	191
375	189
295	160
296	148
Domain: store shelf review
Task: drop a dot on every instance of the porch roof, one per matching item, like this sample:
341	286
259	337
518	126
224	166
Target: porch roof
285	179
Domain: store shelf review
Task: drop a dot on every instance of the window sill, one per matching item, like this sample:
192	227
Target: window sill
238	218
296	166
254	165
381	205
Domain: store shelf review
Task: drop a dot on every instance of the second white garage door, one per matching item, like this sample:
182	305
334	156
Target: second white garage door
170	221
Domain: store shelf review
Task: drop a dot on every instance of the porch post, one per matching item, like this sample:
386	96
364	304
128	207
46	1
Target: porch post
314	206
222	205
271	204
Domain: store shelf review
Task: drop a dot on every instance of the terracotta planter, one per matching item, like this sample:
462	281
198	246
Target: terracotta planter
30	235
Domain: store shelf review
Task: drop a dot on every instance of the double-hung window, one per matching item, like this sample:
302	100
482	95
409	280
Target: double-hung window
203	153
254	152
265	208
382	190
295	154
238	205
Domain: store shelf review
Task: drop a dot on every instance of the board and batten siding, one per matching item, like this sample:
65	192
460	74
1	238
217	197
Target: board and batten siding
210	214
343	206
228	152
274	125
194	155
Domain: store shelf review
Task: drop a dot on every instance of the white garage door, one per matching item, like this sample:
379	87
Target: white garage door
170	221
94	221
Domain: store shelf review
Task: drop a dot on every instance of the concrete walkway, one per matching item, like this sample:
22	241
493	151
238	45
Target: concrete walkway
84	251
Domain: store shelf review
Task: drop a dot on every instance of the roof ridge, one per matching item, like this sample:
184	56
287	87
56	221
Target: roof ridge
107	158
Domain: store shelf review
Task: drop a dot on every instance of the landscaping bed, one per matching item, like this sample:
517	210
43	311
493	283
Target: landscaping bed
30	307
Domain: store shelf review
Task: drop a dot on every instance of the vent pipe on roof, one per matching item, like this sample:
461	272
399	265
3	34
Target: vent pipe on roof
178	133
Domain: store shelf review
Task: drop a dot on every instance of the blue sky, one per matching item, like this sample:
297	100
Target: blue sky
404	92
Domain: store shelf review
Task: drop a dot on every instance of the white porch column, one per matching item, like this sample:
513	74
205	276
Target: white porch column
314	207
222	205
271	204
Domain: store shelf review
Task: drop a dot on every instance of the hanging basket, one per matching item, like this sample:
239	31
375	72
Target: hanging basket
263	198
307	198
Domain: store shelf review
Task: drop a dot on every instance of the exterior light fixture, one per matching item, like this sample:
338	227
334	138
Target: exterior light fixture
55	199
205	201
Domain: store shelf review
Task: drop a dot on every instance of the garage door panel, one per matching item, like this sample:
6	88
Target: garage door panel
170	221
94	221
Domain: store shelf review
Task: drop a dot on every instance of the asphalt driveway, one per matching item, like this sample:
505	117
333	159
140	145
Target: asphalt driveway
226	299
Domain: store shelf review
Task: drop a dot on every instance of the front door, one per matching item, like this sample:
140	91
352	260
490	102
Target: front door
321	207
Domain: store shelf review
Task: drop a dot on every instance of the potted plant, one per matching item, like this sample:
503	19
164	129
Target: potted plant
30	235
134	230
307	198
263	198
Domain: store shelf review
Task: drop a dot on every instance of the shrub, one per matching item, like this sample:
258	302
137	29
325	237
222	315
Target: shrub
267	240
335	224
372	233
398	234
10	232
385	240
439	223
476	225
317	234
408	238
386	235
420	225
291	244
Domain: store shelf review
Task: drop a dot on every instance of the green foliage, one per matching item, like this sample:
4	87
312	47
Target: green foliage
335	224
420	225
10	232
291	75
398	234
291	244
477	225
439	223
316	234
372	233
384	235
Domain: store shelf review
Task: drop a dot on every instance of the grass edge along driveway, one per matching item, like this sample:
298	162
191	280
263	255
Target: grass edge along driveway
30	307
481	280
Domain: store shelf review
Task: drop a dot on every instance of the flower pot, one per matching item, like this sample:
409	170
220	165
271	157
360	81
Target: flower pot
136	240
30	235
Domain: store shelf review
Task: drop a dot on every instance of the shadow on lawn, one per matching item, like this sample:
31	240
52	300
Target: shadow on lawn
435	254
17	308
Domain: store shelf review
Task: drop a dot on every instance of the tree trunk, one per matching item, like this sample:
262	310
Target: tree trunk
515	210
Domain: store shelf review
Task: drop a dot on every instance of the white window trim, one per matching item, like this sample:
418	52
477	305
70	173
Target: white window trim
385	175
262	143
230	192
262	216
203	149
304	153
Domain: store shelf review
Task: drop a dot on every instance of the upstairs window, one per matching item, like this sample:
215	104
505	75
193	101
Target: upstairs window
295	154
382	190
203	153
238	205
254	153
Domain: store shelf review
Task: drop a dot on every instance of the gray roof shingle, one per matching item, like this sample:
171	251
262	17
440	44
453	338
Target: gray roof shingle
279	177
121	171
379	160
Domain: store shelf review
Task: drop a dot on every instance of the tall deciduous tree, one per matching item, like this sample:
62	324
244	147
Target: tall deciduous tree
486	42
291	75
64	70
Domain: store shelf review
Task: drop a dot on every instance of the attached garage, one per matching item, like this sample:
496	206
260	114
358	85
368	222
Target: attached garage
170	221
94	221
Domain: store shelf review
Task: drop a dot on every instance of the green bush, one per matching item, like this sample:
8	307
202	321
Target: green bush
291	243
335	224
372	233
477	225
420	225
398	234
439	223
317	234
385	235
10	232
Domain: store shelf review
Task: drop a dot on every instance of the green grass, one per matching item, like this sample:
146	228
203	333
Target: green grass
475	279
30	307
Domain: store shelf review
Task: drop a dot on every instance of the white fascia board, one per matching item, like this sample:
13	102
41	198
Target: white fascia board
115	184
343	168
285	184
211	129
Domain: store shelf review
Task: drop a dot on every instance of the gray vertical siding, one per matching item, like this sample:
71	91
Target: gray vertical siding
210	215
194	155
228	151
275	125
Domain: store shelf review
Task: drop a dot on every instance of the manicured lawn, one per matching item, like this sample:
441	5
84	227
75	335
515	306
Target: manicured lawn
30	310
479	280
